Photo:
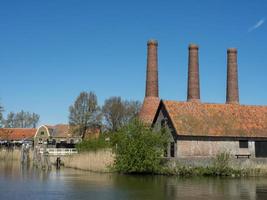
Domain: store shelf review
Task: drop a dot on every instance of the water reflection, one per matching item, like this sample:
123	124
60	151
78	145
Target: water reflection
27	182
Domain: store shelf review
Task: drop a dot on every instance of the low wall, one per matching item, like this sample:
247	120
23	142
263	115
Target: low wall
98	161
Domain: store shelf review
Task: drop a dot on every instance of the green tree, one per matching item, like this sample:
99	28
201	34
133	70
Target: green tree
118	112
84	113
138	148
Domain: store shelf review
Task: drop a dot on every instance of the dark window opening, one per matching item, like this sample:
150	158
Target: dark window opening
42	133
243	144
172	150
163	123
261	149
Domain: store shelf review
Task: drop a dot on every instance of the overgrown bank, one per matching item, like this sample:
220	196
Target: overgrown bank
221	165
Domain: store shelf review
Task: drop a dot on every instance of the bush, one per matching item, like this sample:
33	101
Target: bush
138	149
221	166
93	144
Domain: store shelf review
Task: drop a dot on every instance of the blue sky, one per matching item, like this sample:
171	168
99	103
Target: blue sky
52	50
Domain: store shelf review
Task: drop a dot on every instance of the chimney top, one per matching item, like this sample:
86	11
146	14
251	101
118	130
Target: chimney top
232	50
193	46
152	42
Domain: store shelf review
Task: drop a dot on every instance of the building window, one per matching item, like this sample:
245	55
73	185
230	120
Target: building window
243	144
163	123
42	132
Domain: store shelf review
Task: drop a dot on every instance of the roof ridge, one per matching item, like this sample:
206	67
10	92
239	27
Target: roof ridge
213	103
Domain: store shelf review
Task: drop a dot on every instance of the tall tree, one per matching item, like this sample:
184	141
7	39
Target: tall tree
84	113
10	120
34	119
118	112
21	119
1	115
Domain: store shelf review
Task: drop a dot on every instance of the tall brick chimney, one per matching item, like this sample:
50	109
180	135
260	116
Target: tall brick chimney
232	94
151	101
193	90
152	69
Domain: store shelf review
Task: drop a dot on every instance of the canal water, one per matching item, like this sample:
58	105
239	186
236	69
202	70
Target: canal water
17	182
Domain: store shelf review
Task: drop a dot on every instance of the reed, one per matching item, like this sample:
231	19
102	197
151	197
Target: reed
97	161
9	155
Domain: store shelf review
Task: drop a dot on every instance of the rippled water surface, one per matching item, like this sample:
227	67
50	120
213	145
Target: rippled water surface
17	182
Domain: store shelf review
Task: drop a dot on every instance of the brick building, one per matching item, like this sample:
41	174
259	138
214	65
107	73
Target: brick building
205	129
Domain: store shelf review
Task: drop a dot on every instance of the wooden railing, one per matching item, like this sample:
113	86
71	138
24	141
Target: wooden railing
59	151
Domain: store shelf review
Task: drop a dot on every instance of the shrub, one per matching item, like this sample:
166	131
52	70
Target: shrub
93	144
138	149
221	166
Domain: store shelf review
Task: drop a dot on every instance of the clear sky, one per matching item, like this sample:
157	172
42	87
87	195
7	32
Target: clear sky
52	50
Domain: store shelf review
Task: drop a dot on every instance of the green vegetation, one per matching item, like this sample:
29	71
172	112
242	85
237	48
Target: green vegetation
94	144
203	171
138	149
219	167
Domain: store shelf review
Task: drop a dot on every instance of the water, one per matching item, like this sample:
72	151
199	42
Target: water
27	183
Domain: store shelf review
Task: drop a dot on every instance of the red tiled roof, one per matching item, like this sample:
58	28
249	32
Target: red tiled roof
92	133
230	120
149	109
17	133
59	130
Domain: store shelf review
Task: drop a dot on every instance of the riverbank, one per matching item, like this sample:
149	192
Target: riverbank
211	167
103	160
222	165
